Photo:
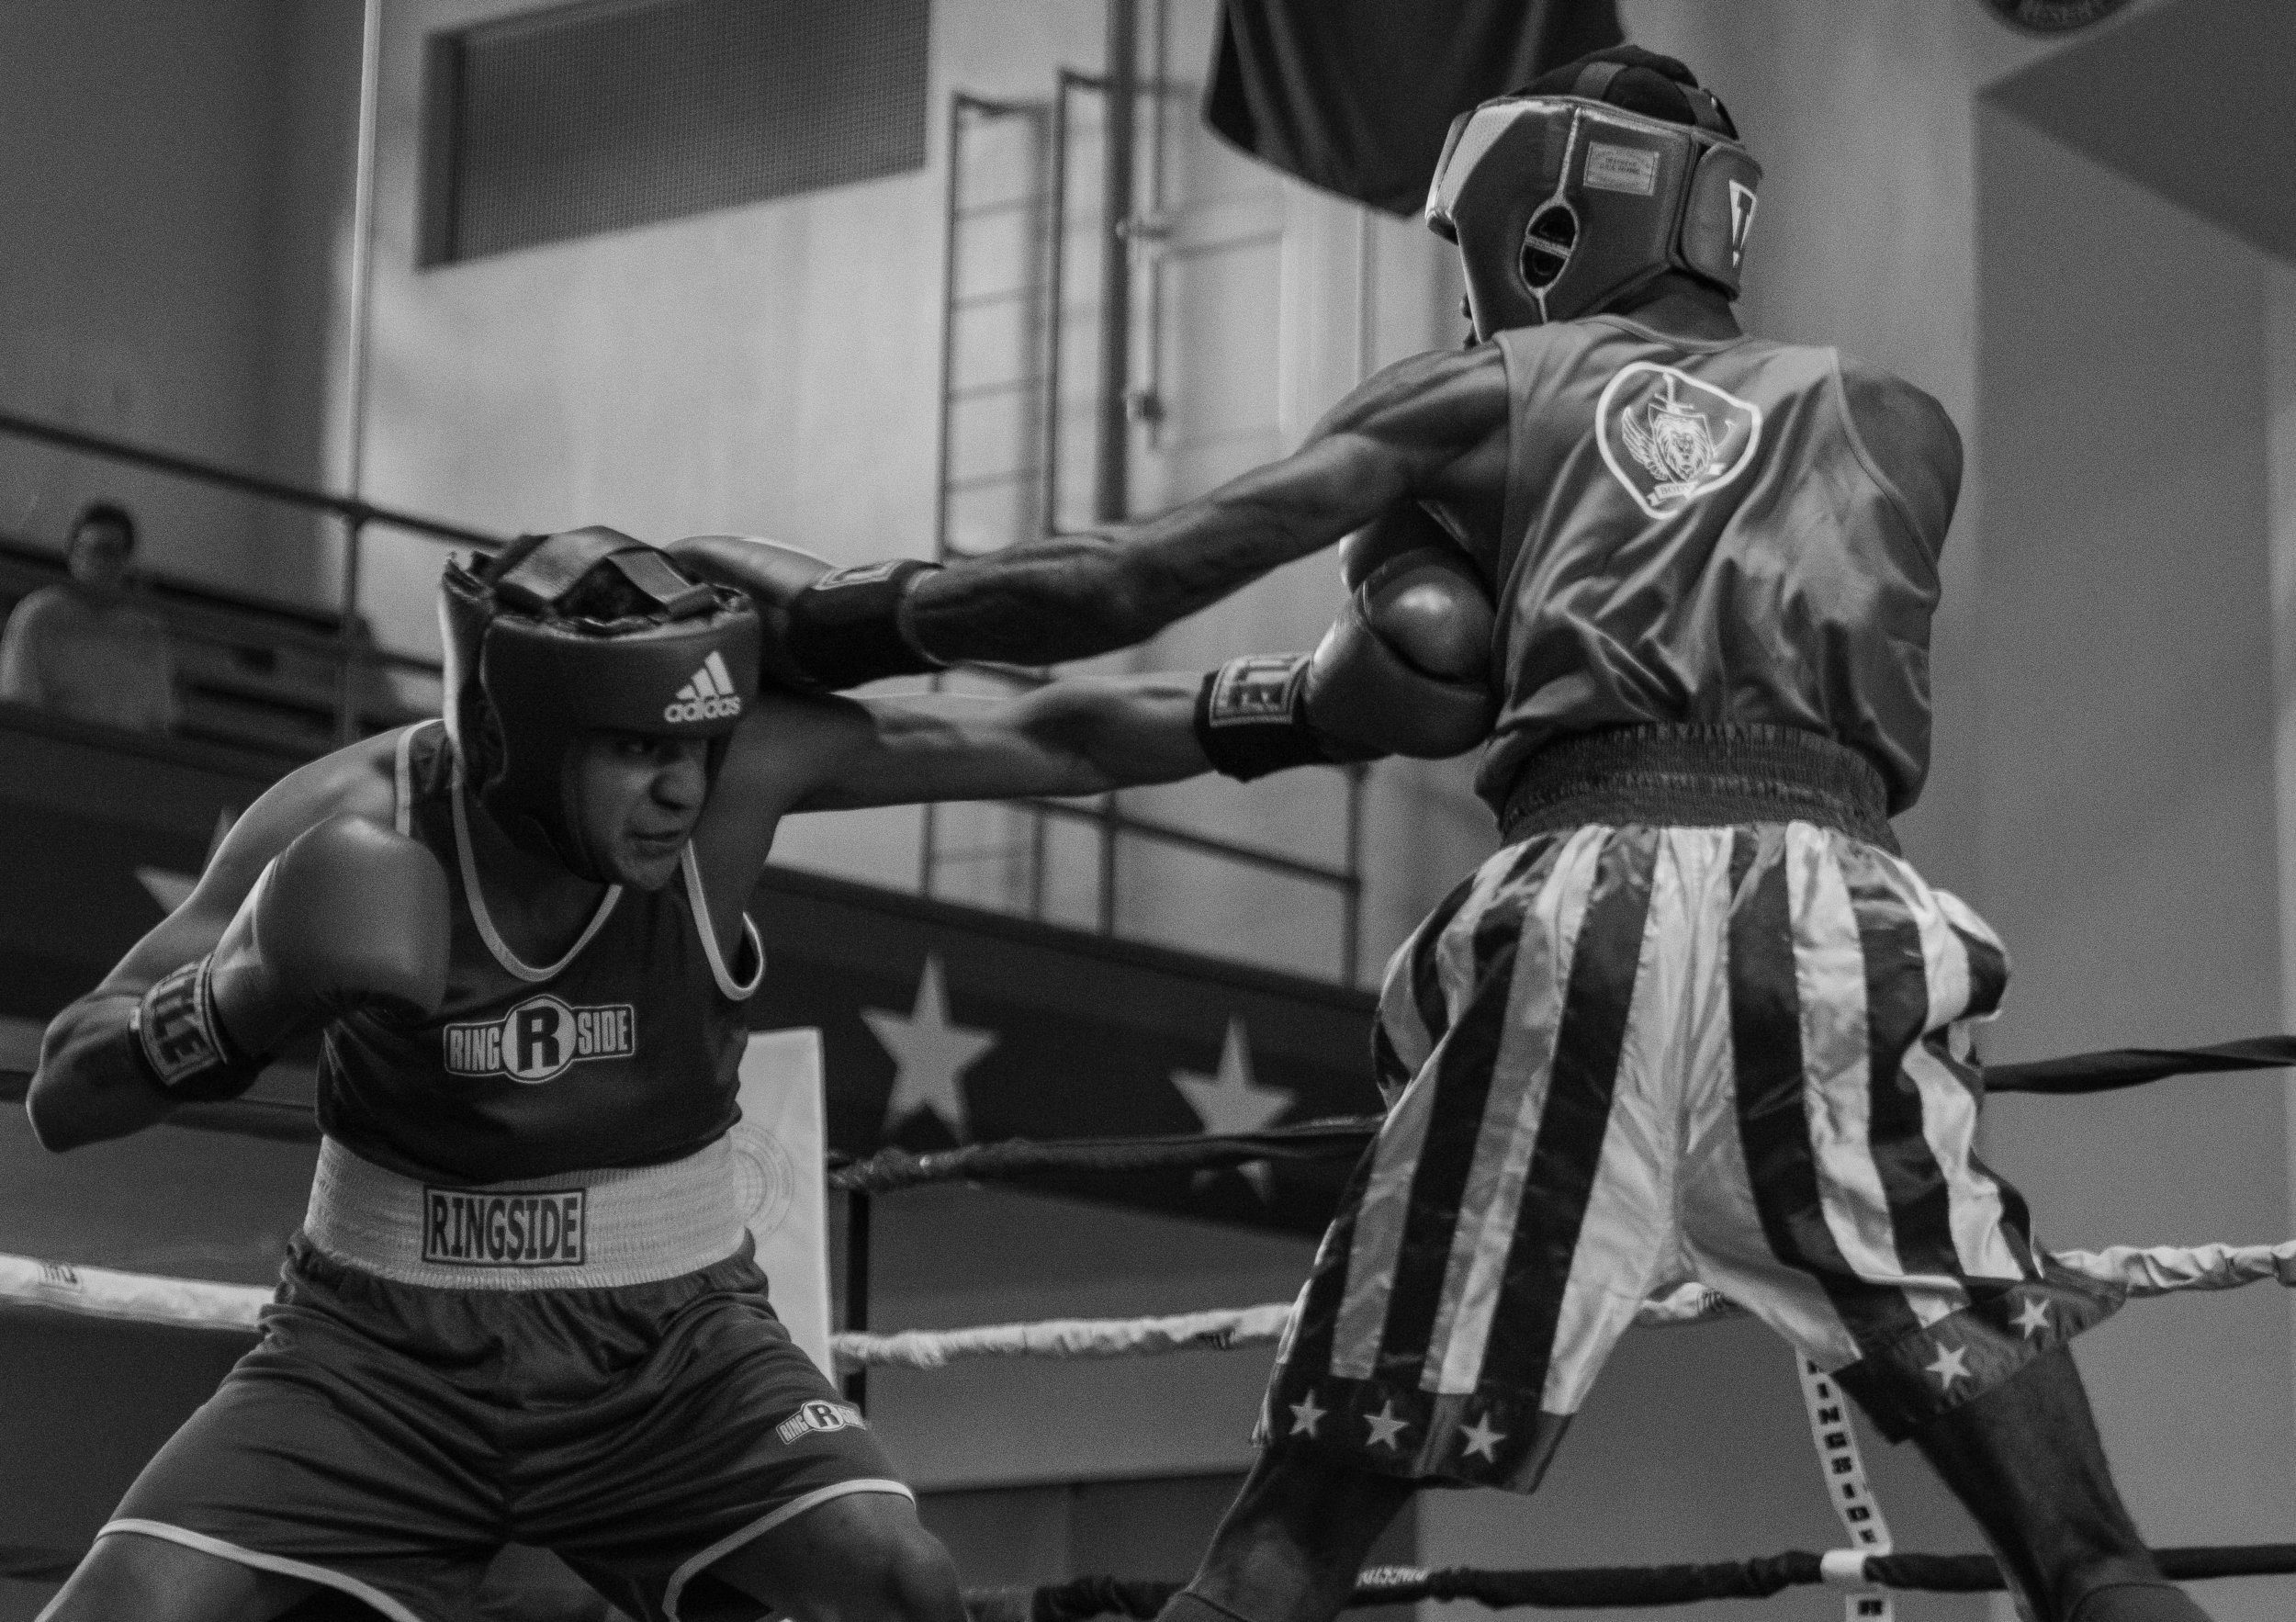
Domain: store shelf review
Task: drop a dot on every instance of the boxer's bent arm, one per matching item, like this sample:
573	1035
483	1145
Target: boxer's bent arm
1071	596
1077	736
84	1090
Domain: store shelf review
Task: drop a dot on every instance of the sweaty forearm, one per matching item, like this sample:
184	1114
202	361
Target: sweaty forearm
89	1086
1119	732
1148	735
1040	602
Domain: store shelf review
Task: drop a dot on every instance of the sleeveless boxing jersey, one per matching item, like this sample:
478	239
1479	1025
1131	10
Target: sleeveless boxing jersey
623	1052
1696	532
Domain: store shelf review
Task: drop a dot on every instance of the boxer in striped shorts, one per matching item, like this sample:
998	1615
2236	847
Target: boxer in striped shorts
1697	1020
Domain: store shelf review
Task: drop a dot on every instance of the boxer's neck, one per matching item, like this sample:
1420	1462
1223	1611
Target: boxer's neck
1681	308
539	907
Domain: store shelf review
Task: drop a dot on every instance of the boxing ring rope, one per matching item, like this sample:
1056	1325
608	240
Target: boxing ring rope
26	1282
1615	1587
1339	1138
191	1303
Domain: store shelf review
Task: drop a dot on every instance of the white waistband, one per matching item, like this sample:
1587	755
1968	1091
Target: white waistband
585	1230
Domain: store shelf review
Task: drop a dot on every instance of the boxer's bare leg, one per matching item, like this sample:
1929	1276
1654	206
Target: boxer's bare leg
128	1574
862	1558
2025	1460
1289	1548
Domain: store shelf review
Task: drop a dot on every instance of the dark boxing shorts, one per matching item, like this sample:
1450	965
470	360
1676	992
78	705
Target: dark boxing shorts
1626	1056
386	1438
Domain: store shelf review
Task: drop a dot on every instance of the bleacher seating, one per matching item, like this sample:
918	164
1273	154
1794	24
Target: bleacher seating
250	674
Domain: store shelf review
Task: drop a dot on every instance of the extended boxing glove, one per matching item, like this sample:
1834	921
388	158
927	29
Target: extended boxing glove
1402	672
1405	669
349	916
825	627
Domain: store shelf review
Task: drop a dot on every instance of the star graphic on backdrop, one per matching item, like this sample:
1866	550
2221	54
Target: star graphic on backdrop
1305	1416
171	889
1482	1439
931	1053
1949	1366
2033	1316
1232	1101
1384	1425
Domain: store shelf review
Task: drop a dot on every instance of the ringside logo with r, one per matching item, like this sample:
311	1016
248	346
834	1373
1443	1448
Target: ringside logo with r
540	1039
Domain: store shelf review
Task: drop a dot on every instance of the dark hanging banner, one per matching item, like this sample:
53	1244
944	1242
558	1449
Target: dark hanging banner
1356	95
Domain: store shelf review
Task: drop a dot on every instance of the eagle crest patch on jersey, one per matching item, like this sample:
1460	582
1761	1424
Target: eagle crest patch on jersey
1670	438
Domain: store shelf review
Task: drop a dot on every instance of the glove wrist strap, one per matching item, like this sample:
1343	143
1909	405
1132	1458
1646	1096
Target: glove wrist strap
180	1041
1251	716
852	625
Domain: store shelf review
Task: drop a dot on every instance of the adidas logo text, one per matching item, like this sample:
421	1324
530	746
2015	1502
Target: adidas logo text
708	694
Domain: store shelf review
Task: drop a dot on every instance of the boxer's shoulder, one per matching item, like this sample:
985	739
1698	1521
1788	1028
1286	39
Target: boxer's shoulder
1447	396
359	781
1907	439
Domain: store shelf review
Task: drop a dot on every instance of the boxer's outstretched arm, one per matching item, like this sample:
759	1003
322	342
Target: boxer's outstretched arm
1071	596
1077	736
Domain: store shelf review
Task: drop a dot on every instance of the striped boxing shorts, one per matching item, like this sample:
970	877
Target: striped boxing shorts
1696	1022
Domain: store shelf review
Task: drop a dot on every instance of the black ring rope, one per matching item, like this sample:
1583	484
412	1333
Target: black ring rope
1607	1587
1581	1587
1340	1138
1344	1137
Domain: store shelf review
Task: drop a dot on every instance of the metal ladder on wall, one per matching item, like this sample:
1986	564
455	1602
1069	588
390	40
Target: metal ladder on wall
996	447
1004	309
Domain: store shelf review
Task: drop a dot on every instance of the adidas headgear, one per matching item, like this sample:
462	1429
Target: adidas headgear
1563	201
525	677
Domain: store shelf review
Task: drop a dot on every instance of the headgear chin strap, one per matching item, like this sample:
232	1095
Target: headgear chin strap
685	668
1562	204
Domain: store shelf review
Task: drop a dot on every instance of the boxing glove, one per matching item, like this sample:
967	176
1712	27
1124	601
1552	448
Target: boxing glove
825	628
349	916
1405	669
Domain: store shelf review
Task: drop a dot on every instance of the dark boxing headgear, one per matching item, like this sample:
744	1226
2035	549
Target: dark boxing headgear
531	667
1592	182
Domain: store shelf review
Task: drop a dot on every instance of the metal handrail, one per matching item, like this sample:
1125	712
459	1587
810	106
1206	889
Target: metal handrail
358	513
14	425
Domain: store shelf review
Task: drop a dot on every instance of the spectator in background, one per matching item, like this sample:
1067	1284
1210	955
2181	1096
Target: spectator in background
85	648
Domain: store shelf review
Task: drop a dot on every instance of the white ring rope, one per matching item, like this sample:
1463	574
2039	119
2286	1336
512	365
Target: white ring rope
141	1298
1068	1337
192	1303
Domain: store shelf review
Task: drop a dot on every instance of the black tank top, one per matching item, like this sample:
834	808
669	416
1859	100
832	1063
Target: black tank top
1699	531
626	1051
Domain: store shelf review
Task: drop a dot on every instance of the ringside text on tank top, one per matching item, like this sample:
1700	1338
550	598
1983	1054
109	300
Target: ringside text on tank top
1700	532
629	1054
